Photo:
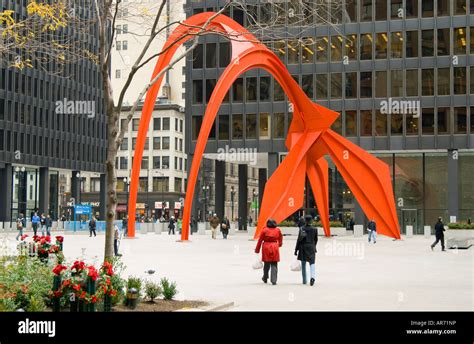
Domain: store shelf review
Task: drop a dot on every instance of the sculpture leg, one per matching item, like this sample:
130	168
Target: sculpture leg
317	171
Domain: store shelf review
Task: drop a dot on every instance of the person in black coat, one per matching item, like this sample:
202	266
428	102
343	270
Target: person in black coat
125	225
92	225
301	222
225	225
439	233
305	248
171	226
372	228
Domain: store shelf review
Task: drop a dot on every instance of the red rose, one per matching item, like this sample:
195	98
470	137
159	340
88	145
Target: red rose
47	238
94	299
113	292
108	268
24	236
92	273
35	238
59	238
57	293
83	295
58	269
66	283
76	287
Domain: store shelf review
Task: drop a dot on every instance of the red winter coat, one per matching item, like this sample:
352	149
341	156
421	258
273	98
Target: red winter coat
272	240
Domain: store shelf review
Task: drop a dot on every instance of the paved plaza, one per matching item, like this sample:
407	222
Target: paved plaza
351	274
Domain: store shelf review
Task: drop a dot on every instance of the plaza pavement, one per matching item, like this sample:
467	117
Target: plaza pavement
351	274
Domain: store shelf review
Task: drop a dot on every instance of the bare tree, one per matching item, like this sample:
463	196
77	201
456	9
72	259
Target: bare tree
51	36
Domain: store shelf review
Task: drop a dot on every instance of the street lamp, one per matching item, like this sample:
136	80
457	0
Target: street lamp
126	182
163	204
78	175
254	203
205	188
232	194
21	186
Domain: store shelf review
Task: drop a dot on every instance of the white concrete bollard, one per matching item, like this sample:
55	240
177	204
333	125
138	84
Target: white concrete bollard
427	231
158	227
409	233
7	226
251	231
202	228
1	226
358	230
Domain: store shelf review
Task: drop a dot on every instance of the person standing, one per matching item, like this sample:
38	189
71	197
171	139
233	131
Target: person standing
171	226
270	241
92	226
372	228
35	221
439	234
250	221
116	241
301	222
305	249
351	224
42	224
20	225
225	225
49	224
214	222
125	225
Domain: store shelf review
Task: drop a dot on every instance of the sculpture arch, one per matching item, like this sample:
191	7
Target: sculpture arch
309	139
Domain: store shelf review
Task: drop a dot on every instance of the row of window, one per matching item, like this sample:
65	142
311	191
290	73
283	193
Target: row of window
310	12
364	46
348	85
159	123
159	143
439	121
50	147
158	162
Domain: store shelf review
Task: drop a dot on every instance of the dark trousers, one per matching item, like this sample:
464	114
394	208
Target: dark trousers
273	266
438	239
35	228
115	246
92	230
171	229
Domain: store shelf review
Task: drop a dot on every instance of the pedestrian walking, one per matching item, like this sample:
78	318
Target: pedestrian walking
372	228
305	249
125	225
35	222
116	241
225	226
179	225
171	226
214	222
250	221
43	224
49	224
20	225
439	234
270	241
92	226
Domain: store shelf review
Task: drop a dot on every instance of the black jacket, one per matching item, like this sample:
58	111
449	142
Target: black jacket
372	226
48	222
171	225
92	224
306	247
439	228
227	223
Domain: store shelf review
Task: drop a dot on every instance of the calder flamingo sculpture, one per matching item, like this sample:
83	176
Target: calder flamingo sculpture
309	139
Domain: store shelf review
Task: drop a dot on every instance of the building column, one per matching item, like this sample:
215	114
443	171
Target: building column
6	180
219	196
453	191
243	196
103	197
272	163
75	187
43	196
359	216
262	181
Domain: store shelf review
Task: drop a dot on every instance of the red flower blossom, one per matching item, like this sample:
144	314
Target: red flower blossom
108	281
78	266
57	293
83	295
76	287
92	272
47	238
58	269
35	238
94	299
24	236
108	268
59	238
66	283
113	292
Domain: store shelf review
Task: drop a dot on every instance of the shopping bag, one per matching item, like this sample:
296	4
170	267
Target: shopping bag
295	265
258	263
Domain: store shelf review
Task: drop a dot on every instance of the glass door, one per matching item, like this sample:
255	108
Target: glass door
409	218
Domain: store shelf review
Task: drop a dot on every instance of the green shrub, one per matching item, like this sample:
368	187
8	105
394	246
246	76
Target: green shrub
36	304
460	225
169	289
152	290
134	282
287	223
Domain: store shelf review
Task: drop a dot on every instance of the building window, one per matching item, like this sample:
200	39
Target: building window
412	44
157	143
427	8
412	82
211	55
321	86
443	121
251	126
237	126
460	83
381	9
366	84
165	143
443	8
427	122
336	85
411	8
351	10
156	162
125	45
336	48
427	43
396	124
118	45
265	88
224	54
135	124
198	57
396	6
280	50
365	10
123	163
238	90
293	52
210	85
197	91
165	162
351	123
117	74
427	85
366	123
444	42
396	81
351	47
278	125
460	120
166	123
366	46
460	7
223	127
178	182
380	84
278	93
396	45
145	163
380	123
460	41
351	84
444	80
307	50
196	126
265	125
156	123
322	48
251	89
412	124
160	184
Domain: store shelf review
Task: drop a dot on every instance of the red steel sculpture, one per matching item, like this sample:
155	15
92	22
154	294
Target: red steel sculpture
309	139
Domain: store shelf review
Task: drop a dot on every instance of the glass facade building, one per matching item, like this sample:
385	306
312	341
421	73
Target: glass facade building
399	72
38	142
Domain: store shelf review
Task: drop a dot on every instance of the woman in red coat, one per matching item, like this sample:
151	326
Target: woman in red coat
272	240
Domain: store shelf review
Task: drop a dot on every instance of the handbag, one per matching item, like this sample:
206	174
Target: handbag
257	265
295	265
